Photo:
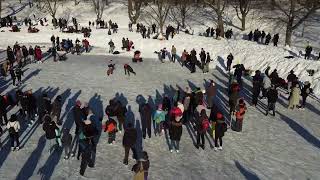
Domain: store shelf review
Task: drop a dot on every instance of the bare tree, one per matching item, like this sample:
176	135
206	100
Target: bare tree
51	6
158	12
218	7
134	9
295	12
182	10
244	8
99	6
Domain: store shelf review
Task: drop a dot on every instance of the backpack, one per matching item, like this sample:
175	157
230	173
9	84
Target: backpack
12	130
205	124
140	174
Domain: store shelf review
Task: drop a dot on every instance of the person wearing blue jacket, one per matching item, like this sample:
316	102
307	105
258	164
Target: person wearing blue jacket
159	117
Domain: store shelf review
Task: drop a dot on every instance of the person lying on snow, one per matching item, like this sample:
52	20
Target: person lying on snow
128	69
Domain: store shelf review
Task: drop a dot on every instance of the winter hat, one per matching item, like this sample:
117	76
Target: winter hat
219	115
13	118
160	107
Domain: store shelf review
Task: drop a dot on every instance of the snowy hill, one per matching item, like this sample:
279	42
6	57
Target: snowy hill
282	147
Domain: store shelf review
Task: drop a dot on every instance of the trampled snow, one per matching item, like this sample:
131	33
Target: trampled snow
281	147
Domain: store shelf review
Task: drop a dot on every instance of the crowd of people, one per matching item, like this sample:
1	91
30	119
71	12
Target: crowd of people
263	38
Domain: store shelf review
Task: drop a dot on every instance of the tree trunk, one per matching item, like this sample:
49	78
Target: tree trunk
220	24
289	32
243	22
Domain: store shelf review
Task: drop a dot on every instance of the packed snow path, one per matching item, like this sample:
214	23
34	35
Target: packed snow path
282	147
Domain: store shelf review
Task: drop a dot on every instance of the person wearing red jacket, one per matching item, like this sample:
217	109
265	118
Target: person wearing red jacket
241	110
175	128
86	44
38	53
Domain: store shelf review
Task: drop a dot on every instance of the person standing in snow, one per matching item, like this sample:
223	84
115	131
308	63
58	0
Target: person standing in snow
77	115
111	68
66	142
272	96
268	38
111	129
308	52
51	131
173	54
229	61
19	74
186	104
13	75
31	106
111	46
175	128
211	93
87	156
146	113
305	92
206	65
202	124
241	110
56	109
202	58
13	127
129	140
234	96
294	97
31	53
291	78
158	118
256	87
220	128
275	39
266	85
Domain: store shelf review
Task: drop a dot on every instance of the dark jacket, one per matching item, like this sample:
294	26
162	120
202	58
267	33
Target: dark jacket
175	130
291	77
129	137
219	128
66	138
146	114
49	127
272	95
77	115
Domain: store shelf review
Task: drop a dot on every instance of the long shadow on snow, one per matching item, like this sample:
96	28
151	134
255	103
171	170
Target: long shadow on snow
304	133
47	169
246	173
31	164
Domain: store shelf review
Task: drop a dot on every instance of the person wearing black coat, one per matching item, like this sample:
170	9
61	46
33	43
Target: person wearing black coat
128	69
250	36
10	56
129	140
31	106
202	57
305	91
56	109
43	106
87	156
175	132
19	74
66	142
229	61
13	75
291	78
220	127
308	52
77	116
256	87
3	111
268	38
146	113
274	77
272	96
275	39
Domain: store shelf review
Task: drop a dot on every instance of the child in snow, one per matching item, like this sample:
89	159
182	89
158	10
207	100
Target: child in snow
66	141
128	69
111	47
111	129
159	117
110	68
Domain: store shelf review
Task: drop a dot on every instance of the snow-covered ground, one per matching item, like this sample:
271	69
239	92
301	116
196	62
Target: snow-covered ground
281	147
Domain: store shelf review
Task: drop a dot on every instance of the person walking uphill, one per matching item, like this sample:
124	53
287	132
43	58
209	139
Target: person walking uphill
272	96
129	140
173	54
146	113
77	115
211	93
305	92
13	127
128	69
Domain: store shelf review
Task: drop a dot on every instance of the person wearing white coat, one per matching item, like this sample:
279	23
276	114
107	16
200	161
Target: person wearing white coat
13	127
